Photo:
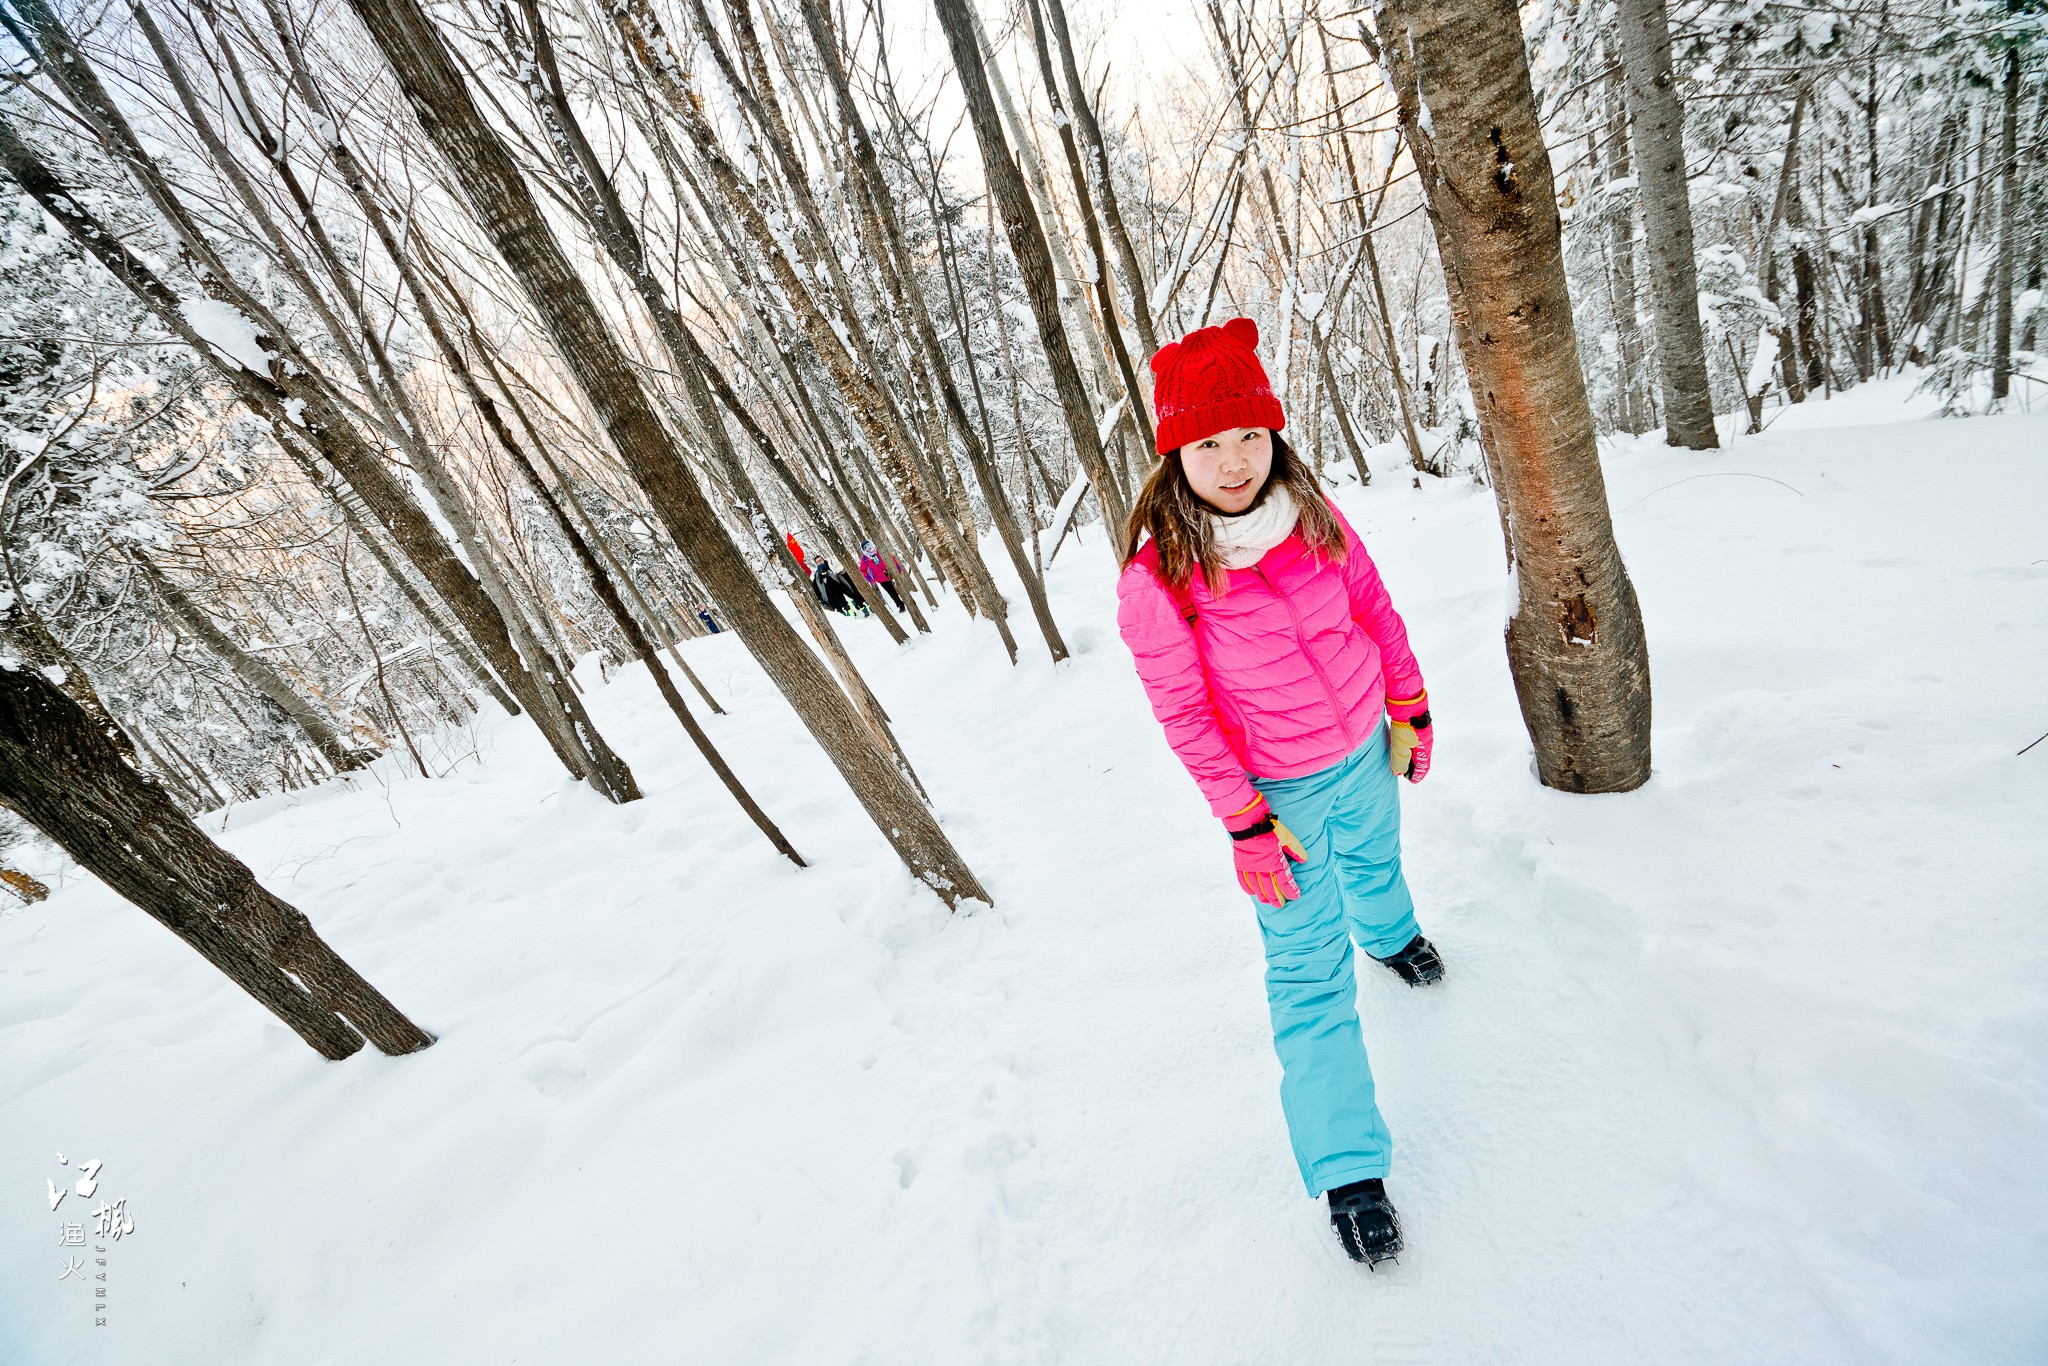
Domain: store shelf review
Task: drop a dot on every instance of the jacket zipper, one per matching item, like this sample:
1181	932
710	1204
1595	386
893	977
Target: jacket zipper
1329	693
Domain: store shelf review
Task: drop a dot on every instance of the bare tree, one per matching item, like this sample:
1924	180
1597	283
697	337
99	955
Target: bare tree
1575	641
292	394
2008	225
59	773
1656	128
1027	244
254	672
505	209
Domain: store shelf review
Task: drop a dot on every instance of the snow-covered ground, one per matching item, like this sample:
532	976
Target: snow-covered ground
1748	1066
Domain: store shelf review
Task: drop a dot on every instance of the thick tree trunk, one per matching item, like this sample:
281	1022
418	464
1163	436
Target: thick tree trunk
1034	259
1656	128
62	776
505	209
1575	641
24	629
255	673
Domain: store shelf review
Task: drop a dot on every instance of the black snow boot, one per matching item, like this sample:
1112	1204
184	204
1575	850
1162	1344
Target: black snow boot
1417	964
1365	1222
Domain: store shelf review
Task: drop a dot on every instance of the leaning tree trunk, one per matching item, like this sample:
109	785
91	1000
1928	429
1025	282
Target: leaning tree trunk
1034	259
506	210
1656	128
1084	206
59	773
1575	639
601	580
23	629
1112	210
1091	346
255	672
295	400
895	265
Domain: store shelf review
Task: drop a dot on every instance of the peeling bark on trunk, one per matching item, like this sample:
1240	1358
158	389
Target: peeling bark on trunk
29	889
1575	643
505	209
1656	128
59	773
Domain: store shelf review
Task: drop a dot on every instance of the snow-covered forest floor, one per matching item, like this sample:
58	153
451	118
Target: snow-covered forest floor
1750	1065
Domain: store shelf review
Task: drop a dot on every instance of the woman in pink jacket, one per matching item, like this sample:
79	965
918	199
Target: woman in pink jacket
1283	677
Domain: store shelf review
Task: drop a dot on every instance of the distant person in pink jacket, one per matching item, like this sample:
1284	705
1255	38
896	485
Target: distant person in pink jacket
875	572
1283	677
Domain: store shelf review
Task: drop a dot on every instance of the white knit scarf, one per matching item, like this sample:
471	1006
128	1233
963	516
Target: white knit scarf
1244	539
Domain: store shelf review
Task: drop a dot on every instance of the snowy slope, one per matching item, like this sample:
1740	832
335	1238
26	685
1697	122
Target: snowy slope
1750	1065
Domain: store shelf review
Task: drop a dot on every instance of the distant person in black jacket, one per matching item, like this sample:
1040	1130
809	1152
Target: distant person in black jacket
836	591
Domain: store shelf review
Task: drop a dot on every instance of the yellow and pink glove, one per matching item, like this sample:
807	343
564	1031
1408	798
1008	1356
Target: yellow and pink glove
1409	736
1262	848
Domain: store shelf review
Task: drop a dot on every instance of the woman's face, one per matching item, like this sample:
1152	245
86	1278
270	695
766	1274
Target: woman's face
1227	470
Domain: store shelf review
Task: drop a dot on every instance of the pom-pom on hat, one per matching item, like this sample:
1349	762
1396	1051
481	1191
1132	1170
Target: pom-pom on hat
1209	381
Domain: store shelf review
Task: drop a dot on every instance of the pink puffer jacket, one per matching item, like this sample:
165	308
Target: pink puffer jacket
1283	675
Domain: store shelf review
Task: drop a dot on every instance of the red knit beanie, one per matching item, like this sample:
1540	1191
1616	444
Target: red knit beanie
1209	381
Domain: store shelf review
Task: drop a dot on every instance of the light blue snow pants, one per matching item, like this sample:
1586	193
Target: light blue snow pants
1348	818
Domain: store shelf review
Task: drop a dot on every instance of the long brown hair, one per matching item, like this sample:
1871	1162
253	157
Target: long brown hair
1178	521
